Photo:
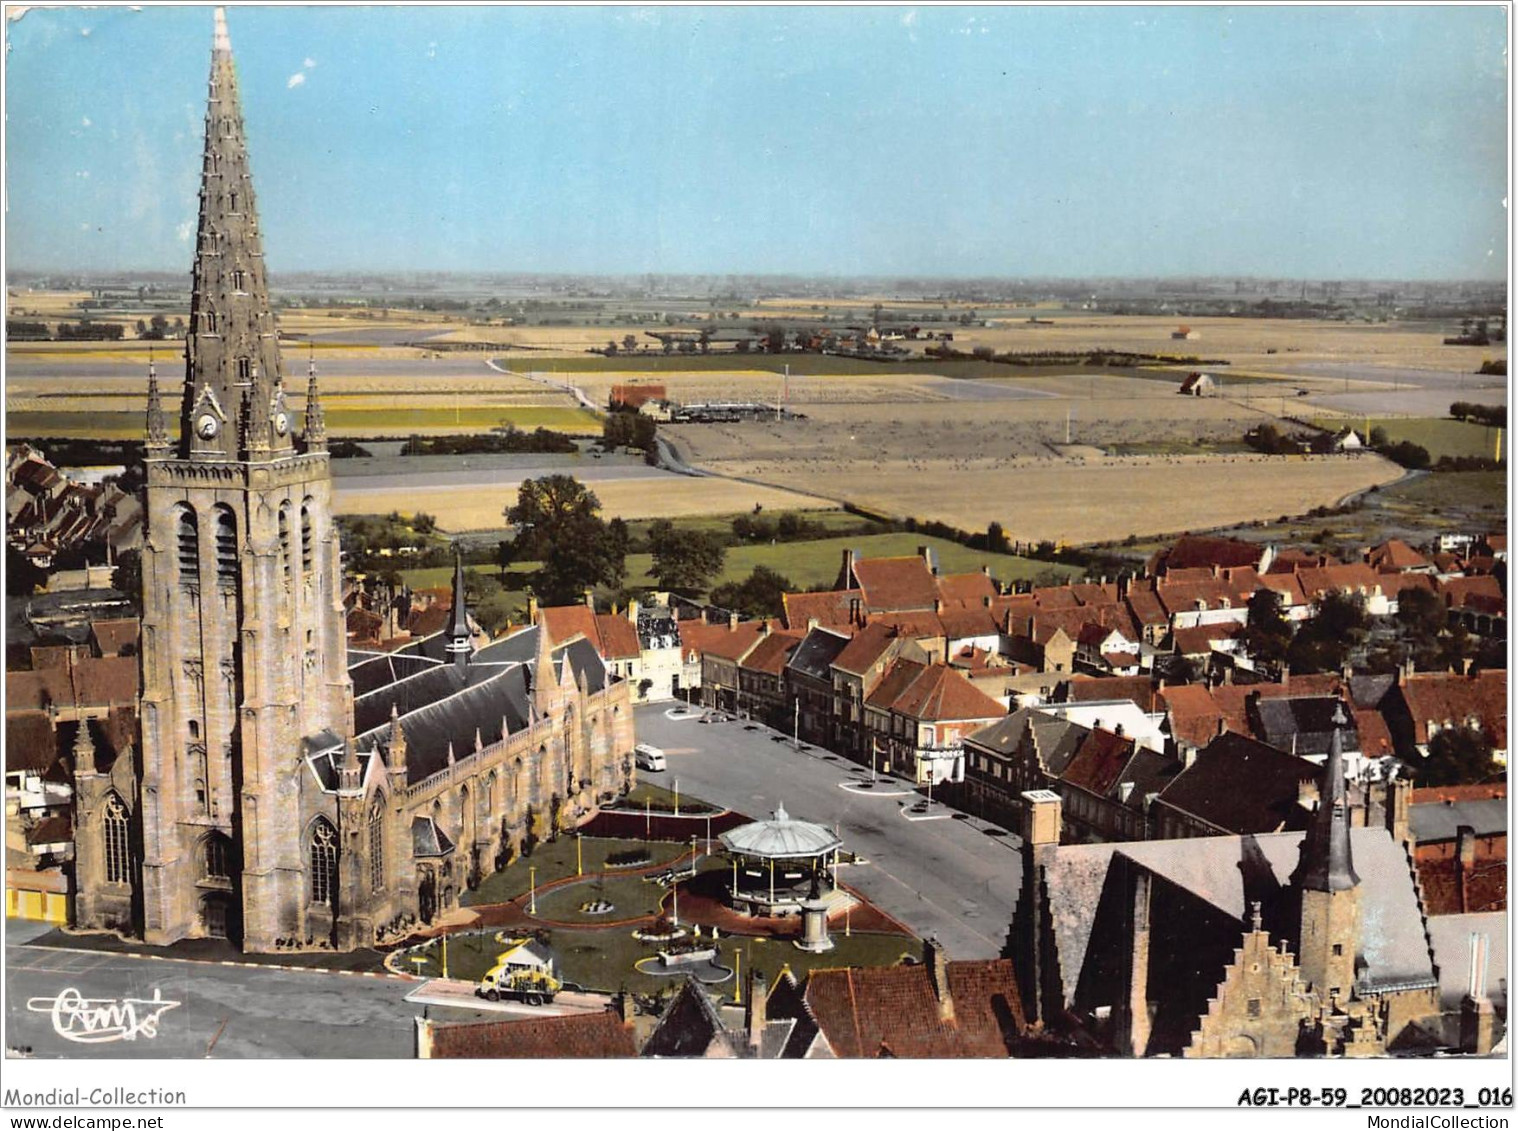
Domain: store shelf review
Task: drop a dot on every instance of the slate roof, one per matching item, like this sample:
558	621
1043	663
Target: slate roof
892	1010
428	838
1004	735
690	1026
370	671
1214	870
1440	820
1304	724
815	654
571	1036
781	836
1240	785
1056	740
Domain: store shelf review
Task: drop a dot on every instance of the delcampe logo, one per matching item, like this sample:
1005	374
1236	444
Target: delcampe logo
102	1020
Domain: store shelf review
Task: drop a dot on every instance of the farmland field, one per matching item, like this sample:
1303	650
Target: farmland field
1452	438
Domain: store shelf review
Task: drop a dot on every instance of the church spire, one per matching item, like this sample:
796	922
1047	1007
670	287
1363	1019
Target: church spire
316	422
1327	864
459	646
232	406
158	434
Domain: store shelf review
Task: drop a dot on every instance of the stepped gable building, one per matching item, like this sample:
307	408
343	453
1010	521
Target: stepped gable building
282	798
1273	944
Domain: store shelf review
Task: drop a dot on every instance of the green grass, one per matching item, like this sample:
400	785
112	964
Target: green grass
1441	437
663	800
604	959
811	563
821	365
1453	489
555	859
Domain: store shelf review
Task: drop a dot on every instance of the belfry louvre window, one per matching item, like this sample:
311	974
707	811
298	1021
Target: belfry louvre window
323	862
376	848
226	546
306	549
244	370
118	845
285	562
189	548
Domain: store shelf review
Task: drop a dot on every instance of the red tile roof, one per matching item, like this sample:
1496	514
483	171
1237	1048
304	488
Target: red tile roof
770	654
30	744
1459	591
867	647
972	620
572	1036
1192	550
112	637
892	1010
1194	714
562	622
942	693
916	624
721	641
1443	697
1395	555
1438	794
966	588
830	609
1356	577
896	584
616	637
1198	641
90	682
898	678
1138	688
1098	761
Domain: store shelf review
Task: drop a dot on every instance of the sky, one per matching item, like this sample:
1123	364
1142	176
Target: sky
1304	142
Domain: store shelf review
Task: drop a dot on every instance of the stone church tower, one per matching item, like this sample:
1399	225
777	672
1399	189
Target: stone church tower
244	650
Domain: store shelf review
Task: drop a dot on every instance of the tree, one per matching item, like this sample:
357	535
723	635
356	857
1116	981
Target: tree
761	594
1457	756
423	523
1267	634
1324	643
684	560
629	342
560	525
1420	615
996	539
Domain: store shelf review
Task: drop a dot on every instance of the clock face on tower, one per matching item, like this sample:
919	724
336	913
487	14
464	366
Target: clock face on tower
281	423
206	426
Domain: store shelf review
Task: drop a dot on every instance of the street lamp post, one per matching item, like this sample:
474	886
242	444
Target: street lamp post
532	889
677	797
693	855
579	860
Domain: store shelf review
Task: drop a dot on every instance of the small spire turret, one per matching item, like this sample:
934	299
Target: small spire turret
316	422
158	432
459	643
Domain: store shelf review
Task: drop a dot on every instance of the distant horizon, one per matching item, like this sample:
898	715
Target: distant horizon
1051	144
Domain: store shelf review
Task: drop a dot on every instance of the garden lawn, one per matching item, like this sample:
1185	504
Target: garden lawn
556	859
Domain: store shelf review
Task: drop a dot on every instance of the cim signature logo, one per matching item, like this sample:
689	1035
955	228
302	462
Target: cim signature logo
101	1020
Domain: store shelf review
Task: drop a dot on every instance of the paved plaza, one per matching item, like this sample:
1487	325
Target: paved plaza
948	876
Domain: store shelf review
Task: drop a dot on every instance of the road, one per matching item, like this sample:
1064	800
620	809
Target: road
227	1012
945	877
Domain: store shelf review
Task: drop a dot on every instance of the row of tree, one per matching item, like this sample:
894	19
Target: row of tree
1492	415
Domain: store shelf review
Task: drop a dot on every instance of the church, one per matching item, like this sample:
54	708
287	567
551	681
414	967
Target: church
285	794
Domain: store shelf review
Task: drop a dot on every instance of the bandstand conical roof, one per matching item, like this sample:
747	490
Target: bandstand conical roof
781	837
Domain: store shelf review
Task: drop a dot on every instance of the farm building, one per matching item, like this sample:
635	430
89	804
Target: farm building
1185	334
1199	385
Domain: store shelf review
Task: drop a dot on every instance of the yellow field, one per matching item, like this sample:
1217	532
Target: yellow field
459	509
1086	500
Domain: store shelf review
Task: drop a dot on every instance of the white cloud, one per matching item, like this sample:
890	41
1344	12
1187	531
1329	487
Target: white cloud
909	19
295	80
86	123
308	63
185	231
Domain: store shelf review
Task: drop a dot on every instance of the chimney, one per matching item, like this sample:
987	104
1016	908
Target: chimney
1398	811
625	1006
1478	1021
812	622
985	569
937	963
1135	1022
1465	864
1042	818
756	1012
532	609
632	611
590	599
732	622
1118	730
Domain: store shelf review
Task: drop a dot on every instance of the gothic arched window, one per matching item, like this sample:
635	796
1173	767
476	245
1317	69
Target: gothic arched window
187	536
118	843
323	862
226	545
218	857
377	846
